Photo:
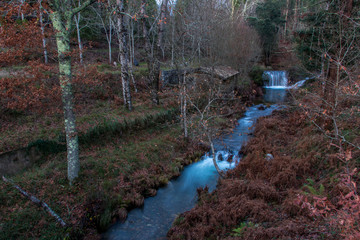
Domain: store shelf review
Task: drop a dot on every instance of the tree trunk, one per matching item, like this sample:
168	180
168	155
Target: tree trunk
63	46
183	105
77	23
286	18
124	53
43	33
329	89
152	61
296	15
161	34
173	42
132	54
245	8
21	12
109	38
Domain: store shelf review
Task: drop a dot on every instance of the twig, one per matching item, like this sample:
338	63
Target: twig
36	201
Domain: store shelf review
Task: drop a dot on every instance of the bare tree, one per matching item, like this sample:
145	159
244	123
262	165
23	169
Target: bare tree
104	11
151	59
123	37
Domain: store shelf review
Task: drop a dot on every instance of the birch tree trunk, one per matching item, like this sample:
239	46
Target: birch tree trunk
62	28
132	54
124	53
109	34
77	23
42	27
109	38
61	16
21	12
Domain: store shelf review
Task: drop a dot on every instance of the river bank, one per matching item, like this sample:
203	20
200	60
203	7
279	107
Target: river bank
299	192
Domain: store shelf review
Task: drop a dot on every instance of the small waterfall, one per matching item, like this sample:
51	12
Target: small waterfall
276	79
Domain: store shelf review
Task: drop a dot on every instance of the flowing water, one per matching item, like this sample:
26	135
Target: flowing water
155	218
276	85
275	79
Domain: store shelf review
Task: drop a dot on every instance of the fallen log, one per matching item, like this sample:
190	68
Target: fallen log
36	201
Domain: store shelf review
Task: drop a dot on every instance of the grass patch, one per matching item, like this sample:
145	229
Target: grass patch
114	175
21	129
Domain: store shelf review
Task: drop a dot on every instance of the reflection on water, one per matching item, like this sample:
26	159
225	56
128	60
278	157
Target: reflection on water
273	95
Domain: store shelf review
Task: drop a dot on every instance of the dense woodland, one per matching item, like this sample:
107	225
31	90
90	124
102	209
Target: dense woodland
82	87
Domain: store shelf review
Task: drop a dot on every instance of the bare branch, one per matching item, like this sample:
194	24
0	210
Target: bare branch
36	201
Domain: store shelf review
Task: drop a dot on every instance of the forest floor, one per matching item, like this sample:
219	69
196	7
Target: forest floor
115	175
95	107
309	190
125	156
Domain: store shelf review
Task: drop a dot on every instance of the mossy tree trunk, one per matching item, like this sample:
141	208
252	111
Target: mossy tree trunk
61	16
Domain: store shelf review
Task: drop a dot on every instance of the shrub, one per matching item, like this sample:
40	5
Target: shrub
256	75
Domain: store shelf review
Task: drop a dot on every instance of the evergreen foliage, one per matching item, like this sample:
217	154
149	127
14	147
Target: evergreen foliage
267	23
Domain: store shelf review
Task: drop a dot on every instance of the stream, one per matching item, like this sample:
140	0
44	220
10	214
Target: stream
154	219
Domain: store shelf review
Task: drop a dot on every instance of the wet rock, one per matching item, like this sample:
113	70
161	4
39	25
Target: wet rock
230	158
220	157
262	107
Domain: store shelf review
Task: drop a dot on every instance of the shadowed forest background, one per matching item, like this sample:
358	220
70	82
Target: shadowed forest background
103	102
